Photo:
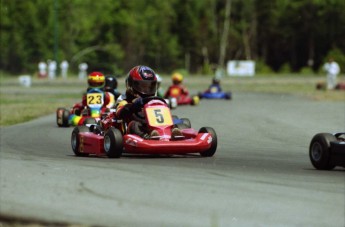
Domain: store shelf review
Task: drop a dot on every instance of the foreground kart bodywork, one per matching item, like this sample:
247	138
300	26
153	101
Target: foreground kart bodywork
113	144
326	150
110	141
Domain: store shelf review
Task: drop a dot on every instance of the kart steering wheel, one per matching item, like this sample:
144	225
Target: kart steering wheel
148	99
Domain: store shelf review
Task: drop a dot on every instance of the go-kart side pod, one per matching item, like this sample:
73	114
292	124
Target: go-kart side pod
75	140
319	151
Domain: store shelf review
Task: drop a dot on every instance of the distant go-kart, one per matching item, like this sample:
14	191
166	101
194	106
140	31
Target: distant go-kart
326	150
92	113
181	98
106	138
215	95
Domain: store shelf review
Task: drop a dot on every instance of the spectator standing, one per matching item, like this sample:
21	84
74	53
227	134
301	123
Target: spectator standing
64	69
51	69
332	69
82	70
42	69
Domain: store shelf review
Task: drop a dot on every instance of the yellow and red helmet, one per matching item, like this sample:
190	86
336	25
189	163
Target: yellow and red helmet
177	78
96	80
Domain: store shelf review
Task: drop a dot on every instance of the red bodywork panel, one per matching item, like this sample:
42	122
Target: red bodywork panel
192	143
91	143
135	144
182	97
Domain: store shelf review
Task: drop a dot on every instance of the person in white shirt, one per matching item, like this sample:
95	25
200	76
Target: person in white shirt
42	69
64	69
51	69
332	69
82	70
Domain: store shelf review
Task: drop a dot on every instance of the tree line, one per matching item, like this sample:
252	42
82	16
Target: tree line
194	35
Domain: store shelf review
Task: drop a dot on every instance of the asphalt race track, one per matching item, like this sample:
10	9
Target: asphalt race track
260	175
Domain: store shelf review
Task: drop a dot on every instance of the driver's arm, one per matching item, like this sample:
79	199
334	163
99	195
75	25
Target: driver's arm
123	109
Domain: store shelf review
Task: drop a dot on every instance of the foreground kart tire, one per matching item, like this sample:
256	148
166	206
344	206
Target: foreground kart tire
62	115
113	143
186	121
210	152
75	141
319	151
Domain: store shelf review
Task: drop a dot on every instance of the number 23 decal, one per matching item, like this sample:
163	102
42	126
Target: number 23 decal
94	99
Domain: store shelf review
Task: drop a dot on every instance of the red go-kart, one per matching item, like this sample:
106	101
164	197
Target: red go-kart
78	115
182	98
107	138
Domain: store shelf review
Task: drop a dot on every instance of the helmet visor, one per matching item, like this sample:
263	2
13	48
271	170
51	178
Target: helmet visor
96	84
145	87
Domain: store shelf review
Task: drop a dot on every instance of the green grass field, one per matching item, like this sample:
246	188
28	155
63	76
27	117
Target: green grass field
20	104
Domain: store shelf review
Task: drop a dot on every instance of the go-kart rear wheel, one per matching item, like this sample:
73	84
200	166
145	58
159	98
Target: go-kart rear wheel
113	143
62	115
186	121
195	100
75	140
210	152
319	151
228	96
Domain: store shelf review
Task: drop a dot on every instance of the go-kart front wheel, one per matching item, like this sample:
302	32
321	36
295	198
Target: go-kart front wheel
186	121
62	115
75	140
113	143
210	152
319	151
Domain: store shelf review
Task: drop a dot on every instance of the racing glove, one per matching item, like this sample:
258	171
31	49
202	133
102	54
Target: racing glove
137	105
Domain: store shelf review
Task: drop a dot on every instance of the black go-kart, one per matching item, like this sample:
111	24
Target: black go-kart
326	150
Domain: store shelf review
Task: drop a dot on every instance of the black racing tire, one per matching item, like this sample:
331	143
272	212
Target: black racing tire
62	116
180	126
75	140
113	143
319	151
187	122
212	150
228	96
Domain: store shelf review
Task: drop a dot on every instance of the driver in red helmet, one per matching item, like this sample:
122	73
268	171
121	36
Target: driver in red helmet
141	82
